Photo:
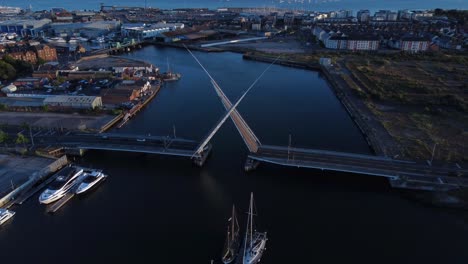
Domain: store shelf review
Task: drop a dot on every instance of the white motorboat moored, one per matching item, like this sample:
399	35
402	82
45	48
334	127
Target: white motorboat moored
5	215
90	180
60	186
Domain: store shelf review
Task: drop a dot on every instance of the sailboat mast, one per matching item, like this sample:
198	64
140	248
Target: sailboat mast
228	240
246	234
232	221
251	218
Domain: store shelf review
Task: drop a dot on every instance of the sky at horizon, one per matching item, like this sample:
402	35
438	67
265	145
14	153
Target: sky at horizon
319	5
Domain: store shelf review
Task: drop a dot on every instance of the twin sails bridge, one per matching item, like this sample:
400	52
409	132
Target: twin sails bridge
401	174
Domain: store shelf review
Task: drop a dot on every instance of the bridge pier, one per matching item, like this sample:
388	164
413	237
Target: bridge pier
403	183
200	160
75	151
251	164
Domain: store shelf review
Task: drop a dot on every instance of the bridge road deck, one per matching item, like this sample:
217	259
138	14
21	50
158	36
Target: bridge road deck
362	164
120	142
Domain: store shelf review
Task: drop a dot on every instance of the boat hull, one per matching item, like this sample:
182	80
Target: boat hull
43	199
229	257
5	216
254	256
51	195
85	187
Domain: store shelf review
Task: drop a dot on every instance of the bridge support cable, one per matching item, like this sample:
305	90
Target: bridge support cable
245	131
227	104
228	113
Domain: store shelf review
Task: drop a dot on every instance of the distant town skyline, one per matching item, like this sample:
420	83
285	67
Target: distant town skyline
319	5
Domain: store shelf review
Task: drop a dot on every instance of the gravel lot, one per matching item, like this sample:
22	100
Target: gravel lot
18	169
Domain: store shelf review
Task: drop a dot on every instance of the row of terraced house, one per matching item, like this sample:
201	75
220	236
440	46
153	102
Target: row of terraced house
370	41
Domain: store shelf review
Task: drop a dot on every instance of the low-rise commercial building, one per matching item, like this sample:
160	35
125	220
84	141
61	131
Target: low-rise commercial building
77	102
25	27
146	31
124	92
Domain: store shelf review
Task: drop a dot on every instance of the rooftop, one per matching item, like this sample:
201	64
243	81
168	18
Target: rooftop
70	99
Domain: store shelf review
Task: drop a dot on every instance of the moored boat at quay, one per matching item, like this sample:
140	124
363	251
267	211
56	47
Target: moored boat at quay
61	185
90	180
5	215
255	242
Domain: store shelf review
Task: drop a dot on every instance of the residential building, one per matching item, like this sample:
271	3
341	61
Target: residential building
27	56
288	18
404	14
363	16
46	53
414	44
337	41
257	27
363	43
392	16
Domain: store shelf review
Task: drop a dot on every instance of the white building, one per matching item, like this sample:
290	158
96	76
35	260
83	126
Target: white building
146	31
337	41
79	102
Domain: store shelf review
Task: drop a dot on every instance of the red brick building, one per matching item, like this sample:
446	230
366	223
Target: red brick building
46	53
28	56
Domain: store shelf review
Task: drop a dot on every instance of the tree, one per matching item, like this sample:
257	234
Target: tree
41	61
21	139
7	71
11	68
3	137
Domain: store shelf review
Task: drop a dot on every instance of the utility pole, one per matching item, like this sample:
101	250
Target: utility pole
433	152
30	135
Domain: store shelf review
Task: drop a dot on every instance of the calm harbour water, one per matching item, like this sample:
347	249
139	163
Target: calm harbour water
165	210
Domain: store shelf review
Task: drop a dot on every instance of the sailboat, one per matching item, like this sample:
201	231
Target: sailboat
169	76
255	242
231	249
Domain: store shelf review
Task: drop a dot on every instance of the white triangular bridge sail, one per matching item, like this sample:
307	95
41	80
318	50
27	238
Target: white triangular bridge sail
245	131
